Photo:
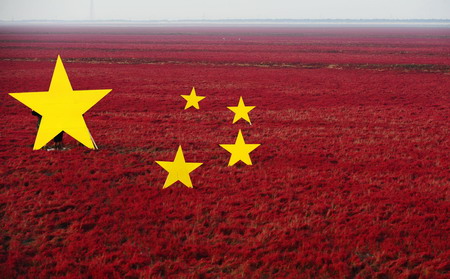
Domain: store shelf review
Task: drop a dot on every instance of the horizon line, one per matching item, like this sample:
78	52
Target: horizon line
232	19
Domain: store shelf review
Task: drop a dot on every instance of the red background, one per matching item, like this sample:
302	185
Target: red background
351	179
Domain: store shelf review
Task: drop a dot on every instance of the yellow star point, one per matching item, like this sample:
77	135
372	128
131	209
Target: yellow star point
178	170
192	99
241	111
240	151
61	108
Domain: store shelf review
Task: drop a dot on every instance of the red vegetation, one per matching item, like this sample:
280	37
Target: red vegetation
351	179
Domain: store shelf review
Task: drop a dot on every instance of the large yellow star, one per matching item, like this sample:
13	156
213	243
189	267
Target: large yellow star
61	108
178	169
240	151
241	111
192	99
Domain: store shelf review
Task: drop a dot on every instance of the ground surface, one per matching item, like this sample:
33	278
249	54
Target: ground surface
351	179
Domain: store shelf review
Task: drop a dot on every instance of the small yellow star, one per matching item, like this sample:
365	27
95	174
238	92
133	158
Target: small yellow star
192	99
240	151
241	111
178	170
62	108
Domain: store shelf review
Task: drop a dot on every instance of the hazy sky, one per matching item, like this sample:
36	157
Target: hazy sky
224	9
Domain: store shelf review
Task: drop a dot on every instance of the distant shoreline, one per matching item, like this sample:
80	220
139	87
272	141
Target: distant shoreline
245	22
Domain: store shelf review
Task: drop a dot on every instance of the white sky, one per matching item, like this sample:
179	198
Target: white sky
225	9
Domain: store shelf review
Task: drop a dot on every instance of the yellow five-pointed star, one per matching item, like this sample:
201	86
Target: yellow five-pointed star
192	99
241	111
61	108
240	151
178	169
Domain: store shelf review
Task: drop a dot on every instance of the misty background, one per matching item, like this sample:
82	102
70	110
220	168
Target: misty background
14	10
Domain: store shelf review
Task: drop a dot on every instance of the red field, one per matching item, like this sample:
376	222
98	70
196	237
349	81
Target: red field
351	179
